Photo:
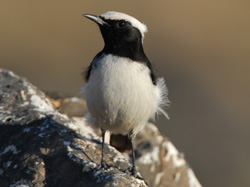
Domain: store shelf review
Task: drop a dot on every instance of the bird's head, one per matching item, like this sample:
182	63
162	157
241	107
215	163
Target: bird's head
120	31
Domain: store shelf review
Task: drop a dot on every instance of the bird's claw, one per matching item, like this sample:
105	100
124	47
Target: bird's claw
135	173
104	165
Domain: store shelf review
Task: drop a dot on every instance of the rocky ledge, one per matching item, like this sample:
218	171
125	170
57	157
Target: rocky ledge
45	141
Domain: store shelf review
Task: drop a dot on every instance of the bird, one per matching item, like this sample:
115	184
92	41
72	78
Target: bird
122	91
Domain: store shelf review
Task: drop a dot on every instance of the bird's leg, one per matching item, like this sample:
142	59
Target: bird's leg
133	170
103	164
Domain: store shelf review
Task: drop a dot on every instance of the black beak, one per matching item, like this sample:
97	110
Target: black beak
95	18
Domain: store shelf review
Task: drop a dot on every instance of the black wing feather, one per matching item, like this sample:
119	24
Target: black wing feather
87	73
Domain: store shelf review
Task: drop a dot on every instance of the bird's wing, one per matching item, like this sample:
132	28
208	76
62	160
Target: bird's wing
94	62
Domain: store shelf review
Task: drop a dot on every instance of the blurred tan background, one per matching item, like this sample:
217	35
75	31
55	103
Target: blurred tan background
202	48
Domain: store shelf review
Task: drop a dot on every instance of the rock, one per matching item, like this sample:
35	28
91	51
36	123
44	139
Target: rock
40	146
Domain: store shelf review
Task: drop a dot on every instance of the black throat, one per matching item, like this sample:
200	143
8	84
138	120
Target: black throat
132	50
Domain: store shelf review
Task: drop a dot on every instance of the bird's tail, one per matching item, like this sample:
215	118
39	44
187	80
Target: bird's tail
121	142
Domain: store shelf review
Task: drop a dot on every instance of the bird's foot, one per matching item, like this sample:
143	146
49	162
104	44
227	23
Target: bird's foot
135	173
104	165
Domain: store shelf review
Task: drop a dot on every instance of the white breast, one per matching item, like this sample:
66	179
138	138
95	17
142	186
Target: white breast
120	94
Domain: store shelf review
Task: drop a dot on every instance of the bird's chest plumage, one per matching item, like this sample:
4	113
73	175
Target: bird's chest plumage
120	92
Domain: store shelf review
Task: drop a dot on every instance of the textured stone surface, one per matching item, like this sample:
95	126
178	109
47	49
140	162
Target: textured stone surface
40	146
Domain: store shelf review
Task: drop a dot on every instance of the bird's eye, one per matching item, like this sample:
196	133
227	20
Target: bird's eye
121	23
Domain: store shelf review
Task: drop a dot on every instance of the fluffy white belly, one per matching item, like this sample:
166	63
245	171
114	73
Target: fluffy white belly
120	95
